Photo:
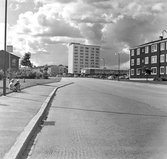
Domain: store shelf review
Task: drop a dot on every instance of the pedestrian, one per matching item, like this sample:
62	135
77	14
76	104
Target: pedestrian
11	85
17	86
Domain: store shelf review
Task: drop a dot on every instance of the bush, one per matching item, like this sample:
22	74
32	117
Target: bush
38	75
160	79
45	75
32	75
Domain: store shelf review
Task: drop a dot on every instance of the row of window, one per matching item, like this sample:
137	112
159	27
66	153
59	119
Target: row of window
146	49
76	53
82	66
154	71
146	60
86	48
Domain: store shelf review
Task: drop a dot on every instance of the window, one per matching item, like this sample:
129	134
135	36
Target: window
166	69
14	62
154	70
162	70
132	62
146	60
137	71
166	45
132	52
162	46
153	59
132	71
146	49
138	61
154	48
138	51
162	58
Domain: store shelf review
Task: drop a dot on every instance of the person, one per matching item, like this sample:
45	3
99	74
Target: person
17	86
11	84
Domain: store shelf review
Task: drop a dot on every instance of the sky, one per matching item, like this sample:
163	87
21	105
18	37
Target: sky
46	27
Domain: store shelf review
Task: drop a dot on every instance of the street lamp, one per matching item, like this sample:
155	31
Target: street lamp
104	64
103	61
162	34
4	68
118	65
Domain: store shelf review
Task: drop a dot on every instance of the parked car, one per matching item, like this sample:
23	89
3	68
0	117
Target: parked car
110	77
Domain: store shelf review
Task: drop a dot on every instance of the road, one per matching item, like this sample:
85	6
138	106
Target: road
101	119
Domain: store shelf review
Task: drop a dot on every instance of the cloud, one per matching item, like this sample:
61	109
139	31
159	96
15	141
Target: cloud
20	1
115	25
54	1
159	7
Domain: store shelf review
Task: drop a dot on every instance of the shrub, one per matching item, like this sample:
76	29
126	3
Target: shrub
38	75
160	79
45	75
32	75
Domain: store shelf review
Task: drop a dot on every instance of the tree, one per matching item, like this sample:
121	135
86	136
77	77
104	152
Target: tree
46	68
147	71
25	61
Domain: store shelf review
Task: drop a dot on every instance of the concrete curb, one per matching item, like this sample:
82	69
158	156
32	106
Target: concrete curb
22	141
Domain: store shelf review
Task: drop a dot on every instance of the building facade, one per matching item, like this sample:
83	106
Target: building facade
82	56
11	61
151	55
100	71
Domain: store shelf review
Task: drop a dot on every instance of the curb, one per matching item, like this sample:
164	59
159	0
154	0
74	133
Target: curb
22	141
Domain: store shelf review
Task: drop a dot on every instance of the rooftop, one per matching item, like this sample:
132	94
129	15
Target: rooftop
150	43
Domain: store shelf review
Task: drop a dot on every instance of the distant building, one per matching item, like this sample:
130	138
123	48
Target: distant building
82	56
151	55
14	61
100	71
53	70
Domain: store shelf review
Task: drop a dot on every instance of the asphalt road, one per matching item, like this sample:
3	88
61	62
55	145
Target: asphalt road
100	119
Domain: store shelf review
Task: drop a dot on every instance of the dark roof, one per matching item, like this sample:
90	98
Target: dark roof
151	42
10	53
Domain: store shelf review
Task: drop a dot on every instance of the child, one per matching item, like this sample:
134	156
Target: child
17	86
11	84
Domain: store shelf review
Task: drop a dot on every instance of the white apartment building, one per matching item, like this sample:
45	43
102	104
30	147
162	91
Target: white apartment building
82	56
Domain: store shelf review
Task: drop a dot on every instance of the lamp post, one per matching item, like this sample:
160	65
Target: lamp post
104	64
4	68
118	65
103	61
162	34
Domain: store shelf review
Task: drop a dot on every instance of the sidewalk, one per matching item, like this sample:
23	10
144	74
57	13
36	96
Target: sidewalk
20	114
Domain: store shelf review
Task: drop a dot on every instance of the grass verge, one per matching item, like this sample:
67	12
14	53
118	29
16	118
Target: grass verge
29	83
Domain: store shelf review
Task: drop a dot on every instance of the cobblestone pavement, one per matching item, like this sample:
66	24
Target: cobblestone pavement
93	121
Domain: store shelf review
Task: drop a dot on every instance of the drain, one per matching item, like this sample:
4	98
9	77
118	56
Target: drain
2	104
48	123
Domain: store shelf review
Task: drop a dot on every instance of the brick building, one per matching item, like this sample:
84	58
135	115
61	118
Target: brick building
14	61
151	55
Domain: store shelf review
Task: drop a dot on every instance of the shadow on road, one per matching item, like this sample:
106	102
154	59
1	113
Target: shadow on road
111	112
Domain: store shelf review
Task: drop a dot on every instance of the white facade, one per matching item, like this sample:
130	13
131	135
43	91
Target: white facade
82	56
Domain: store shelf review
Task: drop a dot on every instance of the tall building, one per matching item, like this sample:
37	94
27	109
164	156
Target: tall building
82	56
151	55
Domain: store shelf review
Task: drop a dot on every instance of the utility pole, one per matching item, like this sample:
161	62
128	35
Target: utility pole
4	68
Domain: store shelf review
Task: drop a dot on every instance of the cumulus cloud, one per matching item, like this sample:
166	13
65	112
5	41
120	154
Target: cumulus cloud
20	1
53	1
115	25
